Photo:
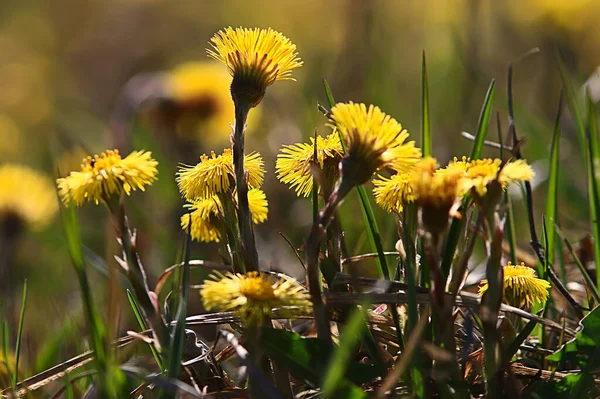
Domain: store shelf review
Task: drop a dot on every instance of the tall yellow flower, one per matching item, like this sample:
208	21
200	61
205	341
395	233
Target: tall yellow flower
205	110
26	196
254	296
479	173
294	162
106	175
374	140
214	175
521	288
256	58
206	215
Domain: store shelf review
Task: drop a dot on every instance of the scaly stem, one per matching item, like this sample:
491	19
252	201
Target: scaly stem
241	184
313	244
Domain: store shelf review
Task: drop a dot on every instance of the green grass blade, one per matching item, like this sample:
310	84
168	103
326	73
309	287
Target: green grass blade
571	98
484	121
178	337
5	348
140	319
518	341
373	231
425	123
19	337
588	280
552	198
594	178
315	187
343	353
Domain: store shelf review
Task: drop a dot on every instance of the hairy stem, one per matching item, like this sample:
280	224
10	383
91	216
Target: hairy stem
241	185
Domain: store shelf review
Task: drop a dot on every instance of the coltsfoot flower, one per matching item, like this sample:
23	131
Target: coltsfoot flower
207	219
374	140
204	107
479	173
214	175
256	58
26	197
106	175
254	296
392	193
522	287
294	162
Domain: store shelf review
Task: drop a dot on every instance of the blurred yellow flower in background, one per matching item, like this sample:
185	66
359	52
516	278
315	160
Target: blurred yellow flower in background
256	58
207	214
26	196
374	140
214	175
254	296
522	287
201	90
106	175
294	162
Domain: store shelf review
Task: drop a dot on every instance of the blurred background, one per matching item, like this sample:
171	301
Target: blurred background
79	77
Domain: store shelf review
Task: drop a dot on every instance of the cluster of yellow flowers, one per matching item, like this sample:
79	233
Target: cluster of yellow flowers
208	183
364	141
429	184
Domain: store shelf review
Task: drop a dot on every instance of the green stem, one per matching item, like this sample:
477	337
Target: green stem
244	217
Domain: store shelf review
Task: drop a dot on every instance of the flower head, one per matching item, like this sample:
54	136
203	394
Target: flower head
256	58
205	221
392	193
214	175
206	215
107	175
26	196
436	192
204	107
294	162
522	288
374	140
479	173
254	296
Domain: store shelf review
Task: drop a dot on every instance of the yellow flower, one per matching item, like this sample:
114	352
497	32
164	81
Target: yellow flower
205	109
436	192
481	172
374	140
214	175
206	215
522	288
257	201
256	58
294	162
106	175
26	196
391	194
254	296
205	222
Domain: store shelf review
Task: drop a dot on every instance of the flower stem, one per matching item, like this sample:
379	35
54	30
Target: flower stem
241	184
313	245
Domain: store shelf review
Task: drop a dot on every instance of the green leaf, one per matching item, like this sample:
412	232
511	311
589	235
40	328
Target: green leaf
594	178
307	358
552	198
582	348
19	337
484	121
142	323
425	123
343	354
178	337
